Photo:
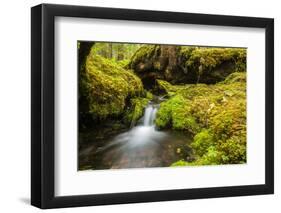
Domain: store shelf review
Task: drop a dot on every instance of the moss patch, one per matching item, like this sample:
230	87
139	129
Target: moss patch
144	53
204	59
188	65
136	109
215	114
108	87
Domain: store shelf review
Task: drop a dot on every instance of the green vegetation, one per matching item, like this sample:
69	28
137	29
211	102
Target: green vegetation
143	53
108	86
135	111
185	65
205	59
215	115
204	91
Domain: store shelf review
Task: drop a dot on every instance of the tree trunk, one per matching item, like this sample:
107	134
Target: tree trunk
84	51
110	50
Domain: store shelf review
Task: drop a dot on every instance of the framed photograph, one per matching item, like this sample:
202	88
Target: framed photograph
140	106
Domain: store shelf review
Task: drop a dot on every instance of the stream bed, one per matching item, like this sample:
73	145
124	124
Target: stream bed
140	147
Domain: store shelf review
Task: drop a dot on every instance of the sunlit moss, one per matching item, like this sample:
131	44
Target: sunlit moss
180	163
107	86
123	63
209	58
215	114
175	113
188	64
135	110
146	51
202	141
165	87
236	77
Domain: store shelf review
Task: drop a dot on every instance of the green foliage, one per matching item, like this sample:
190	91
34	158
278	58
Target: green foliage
115	51
169	89
180	163
136	109
165	87
187	64
212	157
175	113
123	63
202	141
205	59
145	51
236	77
215	114
107	86
186	51
149	95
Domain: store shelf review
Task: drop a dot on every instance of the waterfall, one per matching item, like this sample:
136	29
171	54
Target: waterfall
143	133
149	115
141	146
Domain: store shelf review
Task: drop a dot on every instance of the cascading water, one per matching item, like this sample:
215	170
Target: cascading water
142	146
149	115
143	133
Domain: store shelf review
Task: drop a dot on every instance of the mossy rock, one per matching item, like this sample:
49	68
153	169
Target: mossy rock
215	115
174	114
135	109
188	65
108	87
236	77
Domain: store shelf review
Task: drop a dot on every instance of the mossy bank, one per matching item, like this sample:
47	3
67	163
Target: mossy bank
214	114
203	93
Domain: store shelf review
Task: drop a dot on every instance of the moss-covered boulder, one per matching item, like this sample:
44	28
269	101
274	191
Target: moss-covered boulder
152	62
183	64
211	65
108	87
175	113
215	115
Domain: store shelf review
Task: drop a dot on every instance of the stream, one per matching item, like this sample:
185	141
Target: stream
140	147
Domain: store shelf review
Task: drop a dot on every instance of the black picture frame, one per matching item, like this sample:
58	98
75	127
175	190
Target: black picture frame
43	102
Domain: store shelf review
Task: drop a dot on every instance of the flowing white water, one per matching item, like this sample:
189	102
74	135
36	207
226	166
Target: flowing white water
141	146
149	115
144	133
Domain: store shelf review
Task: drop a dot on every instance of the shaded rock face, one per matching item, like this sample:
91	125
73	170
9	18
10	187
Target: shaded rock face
187	65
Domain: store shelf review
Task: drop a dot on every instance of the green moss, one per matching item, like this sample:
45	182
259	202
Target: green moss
136	109
165	87
175	113
215	114
149	95
202	141
157	65
204	59
168	88
212	157
186	51
123	63
187	64
180	163
236	77
144	52
108	86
